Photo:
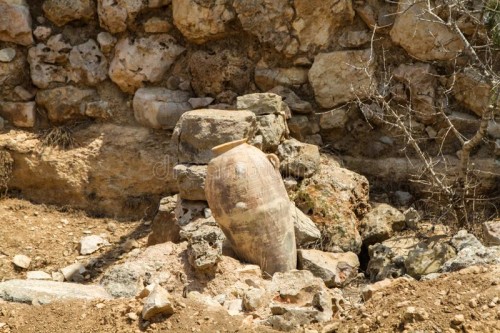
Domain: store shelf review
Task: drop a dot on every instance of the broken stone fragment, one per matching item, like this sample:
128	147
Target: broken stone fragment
92	243
298	159
191	181
15	23
20	114
74	272
61	12
38	275
21	261
381	223
158	302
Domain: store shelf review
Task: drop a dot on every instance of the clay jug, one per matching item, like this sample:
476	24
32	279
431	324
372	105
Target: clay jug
248	200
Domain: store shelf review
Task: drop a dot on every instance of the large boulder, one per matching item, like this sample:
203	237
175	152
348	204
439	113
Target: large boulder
142	60
88	176
160	107
335	269
201	21
15	22
423	35
198	131
334	198
64	103
342	76
61	12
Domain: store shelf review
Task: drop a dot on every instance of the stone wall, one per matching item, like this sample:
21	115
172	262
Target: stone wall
126	70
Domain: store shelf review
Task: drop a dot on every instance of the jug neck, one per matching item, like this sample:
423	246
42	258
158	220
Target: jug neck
221	149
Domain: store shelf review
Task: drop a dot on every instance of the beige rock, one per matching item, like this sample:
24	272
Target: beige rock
298	159
302	126
268	78
73	272
343	76
115	16
262	103
157	302
292	100
317	20
370	290
87	64
42	33
231	125
106	41
47	62
157	25
80	177
381	223
223	72
164	227
98	110
20	114
422	35
15	23
428	257
421	81
306	232
335	269
491	232
270	21
7	55
253	299
92	243
24	94
200	22
61	12
21	261
333	120
471	90
38	275
160	107
191	181
142	60
64	103
333	197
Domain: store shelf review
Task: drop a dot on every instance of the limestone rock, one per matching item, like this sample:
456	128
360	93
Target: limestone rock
428	257
115	16
333	197
253	299
380	224
302	126
370	290
387	259
471	91
157	25
296	286
38	275
333	120
292	100
142	60
231	125
270	21
421	81
164	227
160	107
463	239
306	232
47	61
42	33
20	114
317	20
191	181
200	102
61	12
106	41
15	23
64	103
7	55
416	31
92	243
271	129
491	232
158	302
87	64
217	72
201	21
342	76
335	269
44	292
351	39
80	177
298	159
124	280
98	110
262	103
234	307
268	78
73	272
21	261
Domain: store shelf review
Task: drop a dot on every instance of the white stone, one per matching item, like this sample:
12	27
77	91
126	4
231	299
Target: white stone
7	54
157	302
21	261
92	243
38	275
70	271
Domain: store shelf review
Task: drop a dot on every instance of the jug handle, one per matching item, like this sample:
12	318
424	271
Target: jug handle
275	161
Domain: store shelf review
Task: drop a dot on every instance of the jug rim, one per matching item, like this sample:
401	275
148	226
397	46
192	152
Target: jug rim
222	148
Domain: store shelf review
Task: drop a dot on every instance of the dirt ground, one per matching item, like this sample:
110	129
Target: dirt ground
465	301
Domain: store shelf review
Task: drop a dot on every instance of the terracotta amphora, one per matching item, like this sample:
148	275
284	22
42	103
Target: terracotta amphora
248	200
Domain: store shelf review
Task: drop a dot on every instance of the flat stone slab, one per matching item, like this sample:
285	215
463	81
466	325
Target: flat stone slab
44	292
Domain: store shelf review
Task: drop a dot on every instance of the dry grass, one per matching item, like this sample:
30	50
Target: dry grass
6	163
61	136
